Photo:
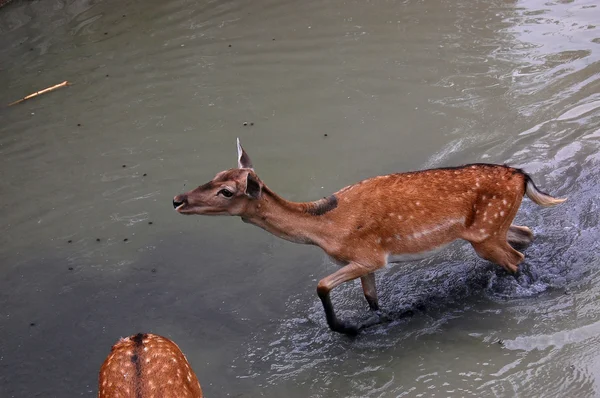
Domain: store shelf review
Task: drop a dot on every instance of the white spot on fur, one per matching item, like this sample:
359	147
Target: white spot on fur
391	214
437	228
482	231
418	203
484	197
502	213
378	240
477	185
490	203
503	201
495	215
399	217
494	197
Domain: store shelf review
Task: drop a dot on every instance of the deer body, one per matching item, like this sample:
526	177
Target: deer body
382	220
144	366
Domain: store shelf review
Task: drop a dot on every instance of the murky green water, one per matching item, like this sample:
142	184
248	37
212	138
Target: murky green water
160	90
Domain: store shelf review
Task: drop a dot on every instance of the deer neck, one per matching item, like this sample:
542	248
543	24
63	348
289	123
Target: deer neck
293	221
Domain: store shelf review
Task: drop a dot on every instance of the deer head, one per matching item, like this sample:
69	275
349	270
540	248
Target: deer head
230	192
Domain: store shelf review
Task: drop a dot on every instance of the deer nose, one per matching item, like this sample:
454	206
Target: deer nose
179	200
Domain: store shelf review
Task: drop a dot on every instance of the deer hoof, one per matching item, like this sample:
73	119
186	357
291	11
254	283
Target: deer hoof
345	328
383	317
378	318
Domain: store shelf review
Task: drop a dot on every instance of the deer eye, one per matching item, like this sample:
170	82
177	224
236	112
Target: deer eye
225	192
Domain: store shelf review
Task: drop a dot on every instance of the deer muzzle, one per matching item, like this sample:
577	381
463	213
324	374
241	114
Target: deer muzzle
179	201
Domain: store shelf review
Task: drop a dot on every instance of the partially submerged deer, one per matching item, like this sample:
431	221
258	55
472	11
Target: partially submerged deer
382	220
144	366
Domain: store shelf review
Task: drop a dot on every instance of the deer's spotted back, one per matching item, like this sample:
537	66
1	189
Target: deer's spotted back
144	366
412	212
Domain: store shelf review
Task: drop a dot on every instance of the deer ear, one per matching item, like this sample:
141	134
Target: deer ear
244	161
253	189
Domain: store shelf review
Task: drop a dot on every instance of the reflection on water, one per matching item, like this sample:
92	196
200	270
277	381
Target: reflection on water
91	249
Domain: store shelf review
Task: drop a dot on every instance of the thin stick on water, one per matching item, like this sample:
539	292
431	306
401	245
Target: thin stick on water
46	90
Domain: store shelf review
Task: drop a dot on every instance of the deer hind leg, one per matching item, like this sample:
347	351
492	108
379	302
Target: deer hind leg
370	291
499	252
519	236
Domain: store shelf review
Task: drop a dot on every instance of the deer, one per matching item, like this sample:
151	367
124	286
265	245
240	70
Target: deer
383	220
144	366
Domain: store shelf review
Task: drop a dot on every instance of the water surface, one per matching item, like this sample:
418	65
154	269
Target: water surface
160	91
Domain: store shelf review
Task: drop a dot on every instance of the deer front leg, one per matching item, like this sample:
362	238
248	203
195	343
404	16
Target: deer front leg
370	290
344	274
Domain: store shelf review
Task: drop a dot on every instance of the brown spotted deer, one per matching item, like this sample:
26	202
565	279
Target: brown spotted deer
144	366
382	220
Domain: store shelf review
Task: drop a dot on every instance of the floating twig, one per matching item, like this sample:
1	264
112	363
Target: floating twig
65	83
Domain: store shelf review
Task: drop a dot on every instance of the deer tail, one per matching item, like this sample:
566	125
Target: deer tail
539	197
